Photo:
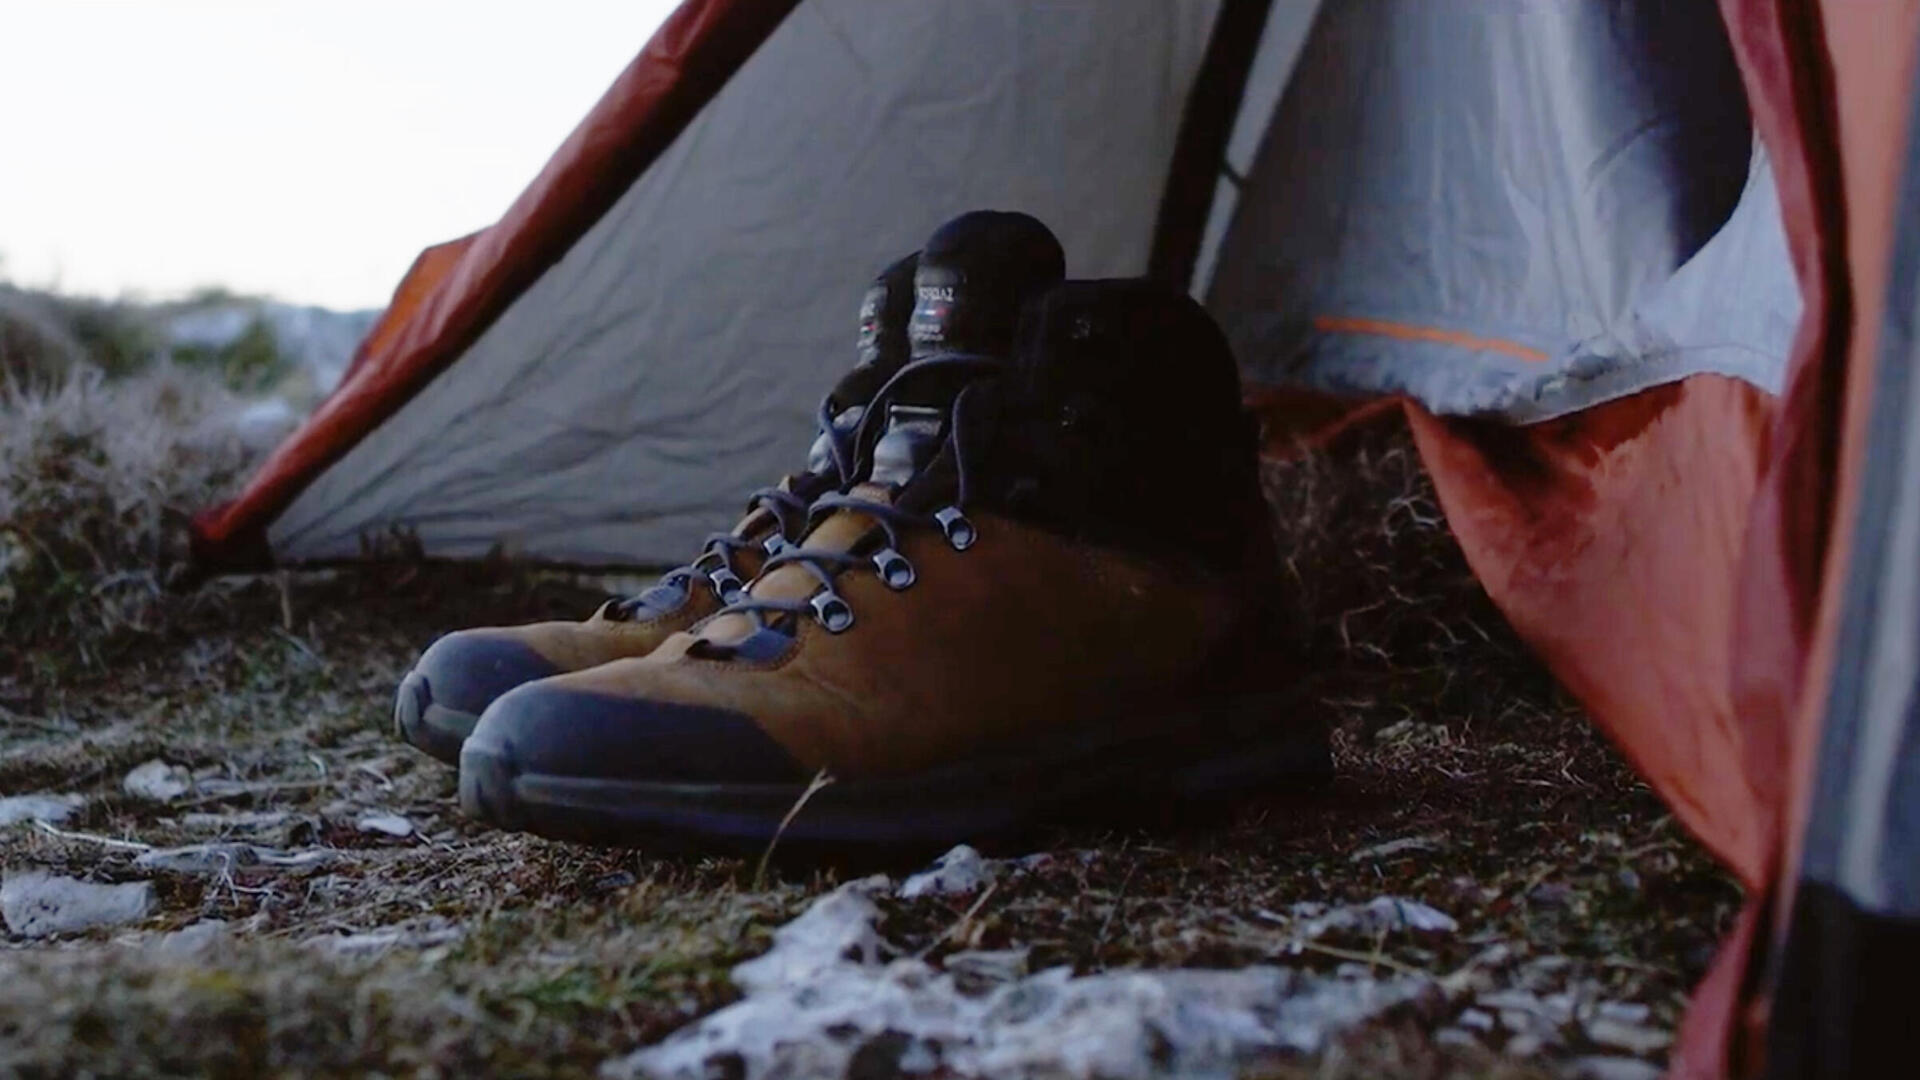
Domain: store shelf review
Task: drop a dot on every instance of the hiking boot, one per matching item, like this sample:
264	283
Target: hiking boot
462	673
1050	589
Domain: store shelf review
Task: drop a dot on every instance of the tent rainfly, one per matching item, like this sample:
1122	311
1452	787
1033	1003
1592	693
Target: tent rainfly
1643	277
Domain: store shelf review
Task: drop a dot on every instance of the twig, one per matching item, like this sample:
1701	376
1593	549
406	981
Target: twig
1119	901
1358	957
954	934
103	841
820	779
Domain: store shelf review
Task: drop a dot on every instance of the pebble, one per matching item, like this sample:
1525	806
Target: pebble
158	781
960	871
1633	1038
52	809
37	904
390	824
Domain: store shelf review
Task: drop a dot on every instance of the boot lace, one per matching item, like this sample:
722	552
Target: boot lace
716	562
827	606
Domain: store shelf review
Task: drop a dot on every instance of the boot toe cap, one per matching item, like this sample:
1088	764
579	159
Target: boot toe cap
467	670
559	731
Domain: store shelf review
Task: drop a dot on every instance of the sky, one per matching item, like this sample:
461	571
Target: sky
301	149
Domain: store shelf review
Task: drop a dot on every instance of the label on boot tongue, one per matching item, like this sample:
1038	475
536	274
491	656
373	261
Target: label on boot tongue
942	319
910	441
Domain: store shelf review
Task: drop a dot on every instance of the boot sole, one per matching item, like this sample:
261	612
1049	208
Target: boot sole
432	727
973	800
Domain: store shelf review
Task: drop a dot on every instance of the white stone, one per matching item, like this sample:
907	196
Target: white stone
956	873
390	824
37	904
52	809
158	781
1633	1038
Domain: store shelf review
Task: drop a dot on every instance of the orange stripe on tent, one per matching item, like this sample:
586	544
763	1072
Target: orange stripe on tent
1328	324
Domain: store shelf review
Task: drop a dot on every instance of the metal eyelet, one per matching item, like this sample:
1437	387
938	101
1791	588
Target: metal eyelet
831	611
960	532
894	569
727	585
774	545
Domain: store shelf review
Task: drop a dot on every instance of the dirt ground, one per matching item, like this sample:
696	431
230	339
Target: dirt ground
347	919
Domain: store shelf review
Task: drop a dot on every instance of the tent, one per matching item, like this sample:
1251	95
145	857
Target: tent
1638	274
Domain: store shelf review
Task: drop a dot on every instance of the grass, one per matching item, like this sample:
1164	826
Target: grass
512	955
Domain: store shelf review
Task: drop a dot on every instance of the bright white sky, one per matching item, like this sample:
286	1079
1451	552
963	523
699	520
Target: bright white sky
306	149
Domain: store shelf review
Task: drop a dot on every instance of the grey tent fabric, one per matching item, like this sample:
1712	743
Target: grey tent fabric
670	363
1505	208
1484	206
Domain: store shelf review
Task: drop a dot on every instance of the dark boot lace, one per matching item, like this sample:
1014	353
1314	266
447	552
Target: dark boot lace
716	562
890	519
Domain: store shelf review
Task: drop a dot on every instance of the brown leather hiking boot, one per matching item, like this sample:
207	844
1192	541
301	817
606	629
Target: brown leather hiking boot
462	673
1049	588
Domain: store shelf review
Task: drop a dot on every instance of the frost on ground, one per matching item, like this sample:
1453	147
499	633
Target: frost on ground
832	991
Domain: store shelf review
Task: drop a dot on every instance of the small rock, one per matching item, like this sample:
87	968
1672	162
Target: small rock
390	824
956	873
1629	879
1612	1068
1633	1038
1453	1036
52	809
1627	1012
1402	846
158	781
37	904
1476	1019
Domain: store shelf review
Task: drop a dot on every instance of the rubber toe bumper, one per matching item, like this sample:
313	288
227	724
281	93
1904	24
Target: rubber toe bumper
455	680
590	754
577	766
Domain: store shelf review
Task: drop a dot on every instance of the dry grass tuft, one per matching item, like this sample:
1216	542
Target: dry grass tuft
98	478
1396	627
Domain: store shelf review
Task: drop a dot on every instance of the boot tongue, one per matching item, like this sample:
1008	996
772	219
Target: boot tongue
911	439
